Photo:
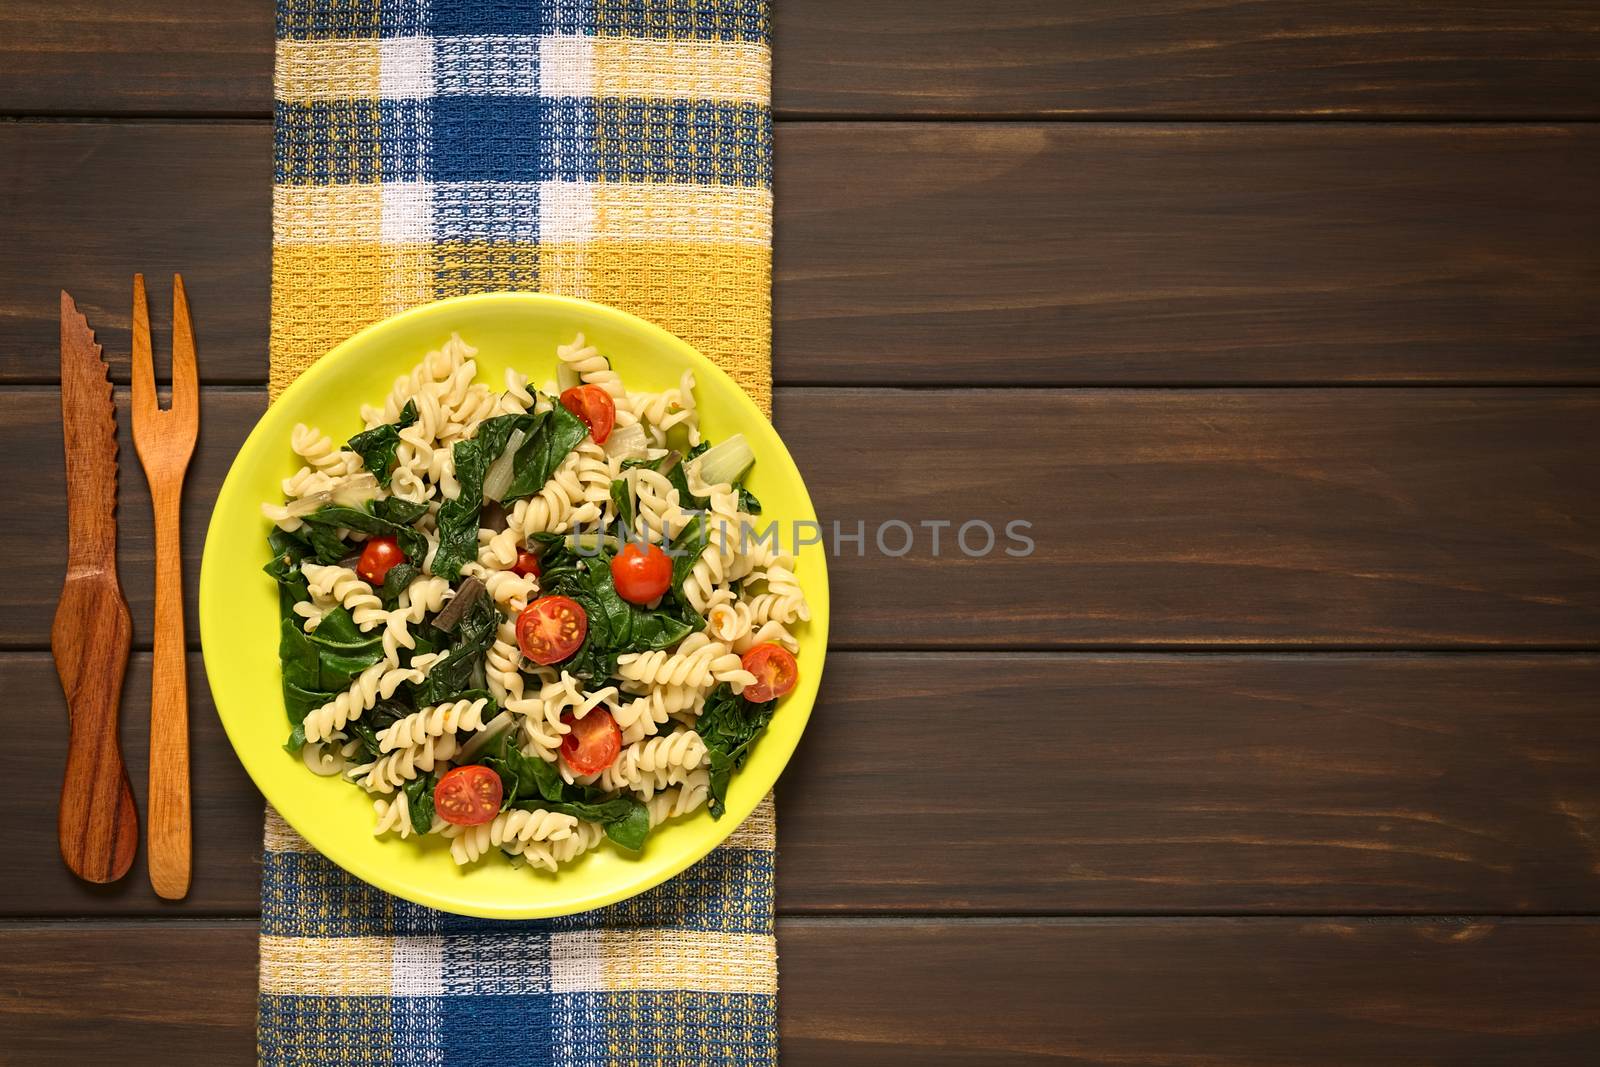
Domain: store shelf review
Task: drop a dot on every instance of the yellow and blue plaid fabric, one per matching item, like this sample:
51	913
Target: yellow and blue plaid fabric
619	150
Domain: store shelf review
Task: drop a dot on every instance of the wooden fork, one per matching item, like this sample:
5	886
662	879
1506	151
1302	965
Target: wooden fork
165	440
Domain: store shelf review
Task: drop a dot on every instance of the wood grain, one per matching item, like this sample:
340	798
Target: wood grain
1387	518
164	438
967	254
1260	993
1143	783
1186	59
1176	254
86	206
90	631
1091	58
162	57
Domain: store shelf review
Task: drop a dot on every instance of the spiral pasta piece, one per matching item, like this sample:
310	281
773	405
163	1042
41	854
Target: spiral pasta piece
592	368
659	516
594	473
783	602
317	449
698	662
345	586
394	816
549	855
436	367
512	830
770	632
379	681
433	721
644	715
388	773
647	767
507	589
502	664
687	797
556	698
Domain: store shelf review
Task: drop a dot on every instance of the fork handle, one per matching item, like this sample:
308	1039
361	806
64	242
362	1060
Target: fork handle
169	834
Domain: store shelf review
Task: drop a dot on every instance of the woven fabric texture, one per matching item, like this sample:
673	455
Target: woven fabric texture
619	151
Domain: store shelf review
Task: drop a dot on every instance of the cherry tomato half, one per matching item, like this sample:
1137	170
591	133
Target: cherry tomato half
551	629
593	743
527	564
641	575
377	557
775	670
467	796
595	407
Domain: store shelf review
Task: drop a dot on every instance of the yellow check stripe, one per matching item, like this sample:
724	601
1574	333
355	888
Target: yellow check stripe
307	72
369	69
327	966
699	960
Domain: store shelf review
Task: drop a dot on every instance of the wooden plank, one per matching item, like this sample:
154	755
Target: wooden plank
963	254
201	199
1256	993
140	57
1179	59
1106	254
1140	783
1391	518
1349	58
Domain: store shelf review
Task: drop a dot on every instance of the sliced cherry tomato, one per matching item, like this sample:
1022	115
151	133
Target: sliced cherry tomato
527	564
467	796
593	743
641	575
551	629
595	407
775	670
377	557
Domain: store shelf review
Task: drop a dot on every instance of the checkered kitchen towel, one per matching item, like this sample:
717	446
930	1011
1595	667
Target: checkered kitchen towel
619	150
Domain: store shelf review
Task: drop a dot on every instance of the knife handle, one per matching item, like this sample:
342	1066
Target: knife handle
170	836
98	825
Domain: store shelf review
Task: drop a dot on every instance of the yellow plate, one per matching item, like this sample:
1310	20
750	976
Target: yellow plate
239	612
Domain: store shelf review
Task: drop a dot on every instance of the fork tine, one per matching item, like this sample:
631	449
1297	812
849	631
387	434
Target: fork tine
185	385
143	371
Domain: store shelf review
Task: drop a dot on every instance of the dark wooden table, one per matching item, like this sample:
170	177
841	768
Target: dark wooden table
1279	322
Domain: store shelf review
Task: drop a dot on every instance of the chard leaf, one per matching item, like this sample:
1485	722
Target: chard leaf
395	582
459	672
334	516
622	502
419	798
377	445
530	783
542	451
398	511
458	518
729	725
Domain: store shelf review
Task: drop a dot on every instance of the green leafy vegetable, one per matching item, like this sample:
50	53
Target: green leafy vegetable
461	671
547	438
395	582
529	783
400	512
335	516
543	450
622	502
615	626
729	725
419	799
377	445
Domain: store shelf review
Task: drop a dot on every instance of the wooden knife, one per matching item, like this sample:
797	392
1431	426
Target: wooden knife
98	825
